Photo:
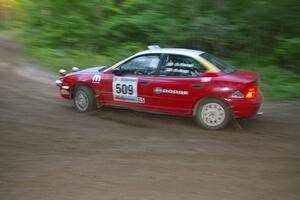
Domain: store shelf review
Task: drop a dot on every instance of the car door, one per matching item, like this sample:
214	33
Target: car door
131	86
179	84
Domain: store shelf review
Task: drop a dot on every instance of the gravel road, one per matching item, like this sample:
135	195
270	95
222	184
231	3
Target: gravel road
50	151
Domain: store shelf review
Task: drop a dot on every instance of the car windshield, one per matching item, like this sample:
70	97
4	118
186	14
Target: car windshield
103	68
223	66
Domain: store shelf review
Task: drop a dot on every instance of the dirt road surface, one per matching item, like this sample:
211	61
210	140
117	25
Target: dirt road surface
49	151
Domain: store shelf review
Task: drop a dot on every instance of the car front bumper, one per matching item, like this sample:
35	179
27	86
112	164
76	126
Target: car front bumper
64	88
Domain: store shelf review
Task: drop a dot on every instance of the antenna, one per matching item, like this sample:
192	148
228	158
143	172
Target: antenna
151	47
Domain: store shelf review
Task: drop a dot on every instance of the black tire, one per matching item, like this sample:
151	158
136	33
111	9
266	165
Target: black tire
84	99
212	114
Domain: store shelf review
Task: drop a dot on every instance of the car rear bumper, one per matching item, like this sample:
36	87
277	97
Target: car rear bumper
246	107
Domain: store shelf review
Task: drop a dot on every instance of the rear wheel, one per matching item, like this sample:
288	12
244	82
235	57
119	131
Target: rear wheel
213	114
84	99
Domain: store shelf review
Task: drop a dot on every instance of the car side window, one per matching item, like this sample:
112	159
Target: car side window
181	66
143	65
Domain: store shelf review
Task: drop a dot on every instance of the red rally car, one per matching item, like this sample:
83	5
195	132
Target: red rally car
168	80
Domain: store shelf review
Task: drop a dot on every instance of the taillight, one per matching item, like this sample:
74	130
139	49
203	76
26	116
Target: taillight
251	92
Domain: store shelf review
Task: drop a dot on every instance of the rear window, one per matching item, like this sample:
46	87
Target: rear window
223	66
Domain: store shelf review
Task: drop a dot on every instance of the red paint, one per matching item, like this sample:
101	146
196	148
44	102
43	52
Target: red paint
220	85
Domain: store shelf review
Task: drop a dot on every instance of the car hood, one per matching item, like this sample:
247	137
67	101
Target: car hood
88	70
94	69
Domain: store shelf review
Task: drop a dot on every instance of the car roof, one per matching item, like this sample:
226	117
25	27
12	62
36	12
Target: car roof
180	51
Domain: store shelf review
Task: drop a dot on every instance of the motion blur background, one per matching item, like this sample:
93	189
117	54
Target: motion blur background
258	35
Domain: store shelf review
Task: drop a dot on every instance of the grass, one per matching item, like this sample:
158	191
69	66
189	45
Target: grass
4	27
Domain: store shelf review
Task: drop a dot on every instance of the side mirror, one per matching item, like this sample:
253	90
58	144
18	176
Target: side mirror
118	72
75	69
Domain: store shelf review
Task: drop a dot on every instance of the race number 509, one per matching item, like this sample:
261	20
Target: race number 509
124	89
125	86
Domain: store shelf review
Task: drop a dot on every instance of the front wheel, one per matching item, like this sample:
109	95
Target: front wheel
213	114
84	99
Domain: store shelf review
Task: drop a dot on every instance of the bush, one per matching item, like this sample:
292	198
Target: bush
287	54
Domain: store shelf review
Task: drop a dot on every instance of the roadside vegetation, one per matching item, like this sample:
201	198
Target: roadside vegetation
260	35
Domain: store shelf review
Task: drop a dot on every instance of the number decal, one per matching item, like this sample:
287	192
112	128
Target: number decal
118	88
125	89
130	89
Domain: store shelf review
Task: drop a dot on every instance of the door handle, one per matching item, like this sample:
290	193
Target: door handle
145	82
197	86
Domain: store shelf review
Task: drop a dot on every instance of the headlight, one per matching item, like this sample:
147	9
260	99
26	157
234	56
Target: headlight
58	83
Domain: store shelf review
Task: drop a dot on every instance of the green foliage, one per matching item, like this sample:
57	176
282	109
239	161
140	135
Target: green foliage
214	33
63	32
222	27
287	54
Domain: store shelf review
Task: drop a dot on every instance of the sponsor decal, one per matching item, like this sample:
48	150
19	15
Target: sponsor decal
183	71
177	64
96	78
129	99
159	90
141	100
